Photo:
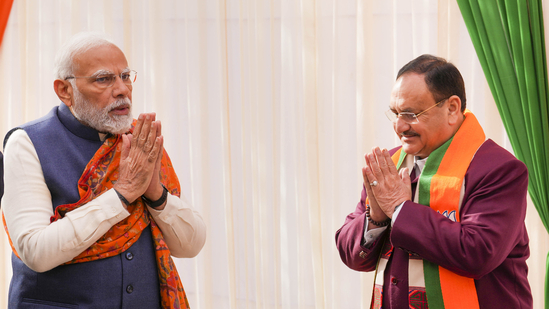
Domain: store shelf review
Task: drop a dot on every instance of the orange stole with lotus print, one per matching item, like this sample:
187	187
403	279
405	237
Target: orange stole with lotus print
99	176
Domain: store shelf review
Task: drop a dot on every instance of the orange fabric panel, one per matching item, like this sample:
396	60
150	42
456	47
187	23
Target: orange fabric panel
5	9
451	172
458	292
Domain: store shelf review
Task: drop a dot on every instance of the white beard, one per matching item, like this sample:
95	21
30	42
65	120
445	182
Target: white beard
99	118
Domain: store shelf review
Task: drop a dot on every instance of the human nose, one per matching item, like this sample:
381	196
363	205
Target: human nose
120	88
400	125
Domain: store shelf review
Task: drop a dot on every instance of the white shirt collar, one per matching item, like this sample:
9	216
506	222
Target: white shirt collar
420	163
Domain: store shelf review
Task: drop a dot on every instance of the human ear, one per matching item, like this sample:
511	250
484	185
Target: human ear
63	89
454	110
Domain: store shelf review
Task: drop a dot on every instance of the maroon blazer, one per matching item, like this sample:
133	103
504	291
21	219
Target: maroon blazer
489	244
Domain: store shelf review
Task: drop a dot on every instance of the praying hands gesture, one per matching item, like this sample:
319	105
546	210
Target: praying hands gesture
385	186
140	160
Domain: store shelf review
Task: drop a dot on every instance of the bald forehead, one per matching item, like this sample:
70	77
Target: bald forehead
107	57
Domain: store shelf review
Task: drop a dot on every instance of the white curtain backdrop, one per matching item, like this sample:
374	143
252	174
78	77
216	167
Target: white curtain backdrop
267	108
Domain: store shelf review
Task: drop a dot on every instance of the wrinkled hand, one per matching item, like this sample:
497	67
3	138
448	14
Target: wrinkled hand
155	190
375	212
139	157
393	187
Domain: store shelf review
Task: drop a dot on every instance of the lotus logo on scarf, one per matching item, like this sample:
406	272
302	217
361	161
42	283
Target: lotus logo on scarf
451	215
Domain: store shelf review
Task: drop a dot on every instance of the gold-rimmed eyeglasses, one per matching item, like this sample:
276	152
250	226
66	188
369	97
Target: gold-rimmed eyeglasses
105	80
407	117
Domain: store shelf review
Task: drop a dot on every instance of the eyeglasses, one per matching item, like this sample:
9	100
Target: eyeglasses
407	117
105	80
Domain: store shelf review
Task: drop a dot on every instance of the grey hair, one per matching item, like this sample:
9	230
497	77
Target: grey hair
81	42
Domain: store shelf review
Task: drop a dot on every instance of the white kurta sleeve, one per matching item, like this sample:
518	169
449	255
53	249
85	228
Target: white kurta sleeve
27	209
182	227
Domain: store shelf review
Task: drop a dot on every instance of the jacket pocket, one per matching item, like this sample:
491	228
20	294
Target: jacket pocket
29	303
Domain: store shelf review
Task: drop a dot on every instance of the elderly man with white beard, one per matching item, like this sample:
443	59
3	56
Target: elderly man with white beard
92	205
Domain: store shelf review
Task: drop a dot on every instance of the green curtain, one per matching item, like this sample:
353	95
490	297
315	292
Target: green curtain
508	37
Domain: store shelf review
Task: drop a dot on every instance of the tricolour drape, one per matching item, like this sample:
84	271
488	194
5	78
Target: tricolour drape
508	36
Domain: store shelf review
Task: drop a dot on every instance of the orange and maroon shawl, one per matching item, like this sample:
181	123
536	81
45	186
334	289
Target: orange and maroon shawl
99	176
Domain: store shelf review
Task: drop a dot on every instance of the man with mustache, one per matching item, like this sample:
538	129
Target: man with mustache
92	204
441	218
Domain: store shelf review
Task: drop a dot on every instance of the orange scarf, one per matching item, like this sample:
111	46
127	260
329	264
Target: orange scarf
99	176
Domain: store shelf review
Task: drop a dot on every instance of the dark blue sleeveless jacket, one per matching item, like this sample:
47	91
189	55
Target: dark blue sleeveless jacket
128	280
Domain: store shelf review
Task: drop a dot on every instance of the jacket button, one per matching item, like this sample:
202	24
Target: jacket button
394	281
129	255
129	289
